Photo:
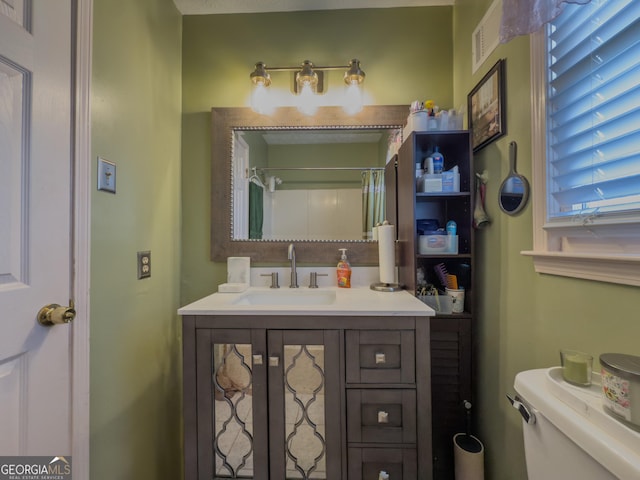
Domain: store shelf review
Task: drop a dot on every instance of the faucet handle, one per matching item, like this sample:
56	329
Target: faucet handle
313	281
274	279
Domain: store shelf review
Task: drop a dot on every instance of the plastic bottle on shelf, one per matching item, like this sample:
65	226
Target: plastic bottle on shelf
428	165
438	161
419	173
452	236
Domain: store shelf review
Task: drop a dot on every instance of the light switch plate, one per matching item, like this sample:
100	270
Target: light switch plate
106	175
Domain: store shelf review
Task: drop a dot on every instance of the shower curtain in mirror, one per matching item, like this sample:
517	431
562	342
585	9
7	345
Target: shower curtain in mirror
256	211
373	195
522	17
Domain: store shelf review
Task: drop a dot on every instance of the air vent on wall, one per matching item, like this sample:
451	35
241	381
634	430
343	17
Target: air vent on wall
486	36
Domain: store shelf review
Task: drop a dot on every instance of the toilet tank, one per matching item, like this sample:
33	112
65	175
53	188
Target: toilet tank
572	436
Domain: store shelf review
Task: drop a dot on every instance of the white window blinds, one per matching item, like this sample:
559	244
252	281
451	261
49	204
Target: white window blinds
593	111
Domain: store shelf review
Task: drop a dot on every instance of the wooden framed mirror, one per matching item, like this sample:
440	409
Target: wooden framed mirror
225	123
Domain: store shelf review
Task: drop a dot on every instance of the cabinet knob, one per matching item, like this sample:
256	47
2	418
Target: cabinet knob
381	358
274	361
383	417
257	359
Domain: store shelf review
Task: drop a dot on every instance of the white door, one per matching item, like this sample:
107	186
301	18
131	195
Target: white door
35	225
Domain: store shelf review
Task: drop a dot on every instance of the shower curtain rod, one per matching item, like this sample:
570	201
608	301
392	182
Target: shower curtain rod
264	169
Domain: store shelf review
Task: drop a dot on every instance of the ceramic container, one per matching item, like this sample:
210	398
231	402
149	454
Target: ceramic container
621	386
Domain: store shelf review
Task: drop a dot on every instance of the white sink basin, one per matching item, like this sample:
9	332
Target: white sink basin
287	297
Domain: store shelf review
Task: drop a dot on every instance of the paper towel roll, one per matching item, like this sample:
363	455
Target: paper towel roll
387	253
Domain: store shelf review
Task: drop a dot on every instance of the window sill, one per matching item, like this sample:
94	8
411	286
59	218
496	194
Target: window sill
617	268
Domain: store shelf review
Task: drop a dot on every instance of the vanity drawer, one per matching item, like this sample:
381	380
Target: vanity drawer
366	463
381	416
380	356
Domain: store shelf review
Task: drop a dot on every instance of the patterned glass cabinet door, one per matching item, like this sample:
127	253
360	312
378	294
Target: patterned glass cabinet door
263	416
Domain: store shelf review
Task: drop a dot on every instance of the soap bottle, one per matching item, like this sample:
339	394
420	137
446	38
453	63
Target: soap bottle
438	161
344	270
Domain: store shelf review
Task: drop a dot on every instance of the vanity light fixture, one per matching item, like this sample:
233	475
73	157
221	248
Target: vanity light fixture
308	82
307	88
260	76
355	75
261	79
353	78
306	77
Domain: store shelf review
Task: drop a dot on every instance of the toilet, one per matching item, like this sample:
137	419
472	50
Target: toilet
568	434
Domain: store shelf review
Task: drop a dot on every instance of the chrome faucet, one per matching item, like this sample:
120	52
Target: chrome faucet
291	255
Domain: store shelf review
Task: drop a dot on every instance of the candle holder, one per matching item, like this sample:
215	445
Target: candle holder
576	367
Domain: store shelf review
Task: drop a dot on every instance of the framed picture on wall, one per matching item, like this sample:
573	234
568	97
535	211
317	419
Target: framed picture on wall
486	107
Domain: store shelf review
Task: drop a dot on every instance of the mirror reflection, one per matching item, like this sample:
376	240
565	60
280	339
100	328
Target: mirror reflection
309	184
226	172
512	194
514	191
303	389
232	386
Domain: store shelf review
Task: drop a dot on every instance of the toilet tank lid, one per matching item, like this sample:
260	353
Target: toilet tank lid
579	414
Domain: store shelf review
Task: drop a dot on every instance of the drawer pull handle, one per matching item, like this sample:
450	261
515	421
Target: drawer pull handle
383	417
274	361
381	358
257	359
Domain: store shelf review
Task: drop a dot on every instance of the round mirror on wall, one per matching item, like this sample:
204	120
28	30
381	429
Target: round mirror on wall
514	191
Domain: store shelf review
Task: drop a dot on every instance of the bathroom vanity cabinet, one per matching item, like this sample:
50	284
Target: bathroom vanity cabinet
295	397
451	334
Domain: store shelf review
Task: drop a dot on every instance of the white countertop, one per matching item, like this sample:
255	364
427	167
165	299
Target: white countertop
359	301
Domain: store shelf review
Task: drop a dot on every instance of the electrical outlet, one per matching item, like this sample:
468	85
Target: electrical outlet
144	265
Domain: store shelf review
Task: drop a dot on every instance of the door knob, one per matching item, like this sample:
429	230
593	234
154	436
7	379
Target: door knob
55	314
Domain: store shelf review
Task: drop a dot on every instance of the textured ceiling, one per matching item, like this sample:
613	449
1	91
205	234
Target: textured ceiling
203	7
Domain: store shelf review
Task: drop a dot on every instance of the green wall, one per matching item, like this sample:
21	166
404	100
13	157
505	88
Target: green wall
135	340
407	54
525	317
